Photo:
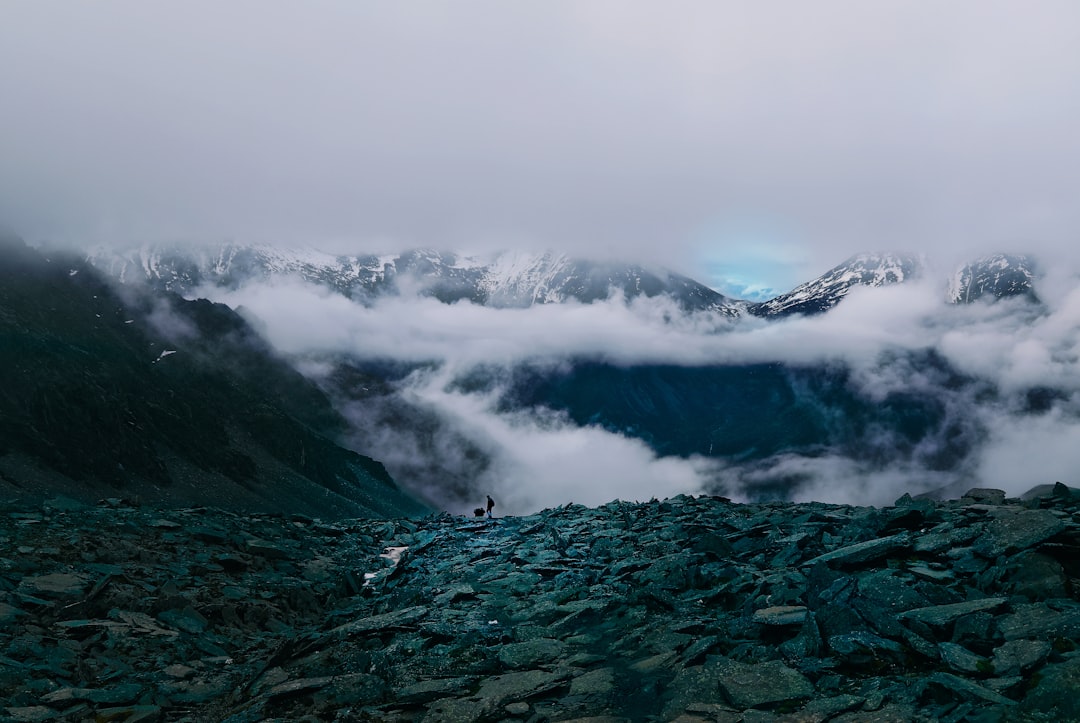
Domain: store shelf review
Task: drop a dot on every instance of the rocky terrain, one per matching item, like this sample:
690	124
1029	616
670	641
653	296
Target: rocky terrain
687	609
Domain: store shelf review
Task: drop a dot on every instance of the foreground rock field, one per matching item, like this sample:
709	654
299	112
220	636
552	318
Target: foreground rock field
687	609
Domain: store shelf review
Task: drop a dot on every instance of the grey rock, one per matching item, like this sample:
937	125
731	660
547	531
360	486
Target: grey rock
1038	620
426	691
892	713
781	615
963	660
945	536
967	690
1035	576
398	619
985	496
599	682
495	694
123	693
942	615
862	642
863	552
1054	696
59	584
9	614
1018	656
1015	530
753	685
531	653
31	713
129	714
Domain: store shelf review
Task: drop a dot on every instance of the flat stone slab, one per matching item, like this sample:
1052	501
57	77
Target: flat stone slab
968	690
862	552
531	653
750	686
426	691
58	584
1014	531
1017	656
781	615
941	615
404	618
1038	620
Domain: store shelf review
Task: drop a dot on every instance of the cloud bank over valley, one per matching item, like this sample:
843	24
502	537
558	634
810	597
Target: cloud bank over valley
1000	380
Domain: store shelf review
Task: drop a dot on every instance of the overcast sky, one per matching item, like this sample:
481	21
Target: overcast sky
766	141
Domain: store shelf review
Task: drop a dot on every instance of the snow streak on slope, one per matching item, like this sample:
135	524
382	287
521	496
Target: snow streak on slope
518	278
998	276
825	292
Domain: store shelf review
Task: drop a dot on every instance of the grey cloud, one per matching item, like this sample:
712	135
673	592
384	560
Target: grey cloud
1010	345
620	128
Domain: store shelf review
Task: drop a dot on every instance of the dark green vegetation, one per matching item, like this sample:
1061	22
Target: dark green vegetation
750	412
148	395
687	609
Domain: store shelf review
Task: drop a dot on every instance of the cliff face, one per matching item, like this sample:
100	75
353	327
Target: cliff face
688	609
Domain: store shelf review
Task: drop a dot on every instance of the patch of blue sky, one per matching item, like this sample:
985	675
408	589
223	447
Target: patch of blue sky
752	259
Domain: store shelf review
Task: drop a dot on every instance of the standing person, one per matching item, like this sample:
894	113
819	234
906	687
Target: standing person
490	504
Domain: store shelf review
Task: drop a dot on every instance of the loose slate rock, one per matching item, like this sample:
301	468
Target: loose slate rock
1012	531
942	615
1055	697
781	615
55	585
762	684
863	552
1018	656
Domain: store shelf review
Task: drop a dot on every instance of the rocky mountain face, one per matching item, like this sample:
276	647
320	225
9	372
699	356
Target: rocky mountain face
510	279
998	276
689	609
825	292
170	400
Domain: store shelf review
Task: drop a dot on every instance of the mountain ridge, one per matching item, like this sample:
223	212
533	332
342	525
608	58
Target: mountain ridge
517	279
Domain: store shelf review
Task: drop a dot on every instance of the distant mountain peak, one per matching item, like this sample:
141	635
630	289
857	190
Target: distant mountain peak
997	276
828	290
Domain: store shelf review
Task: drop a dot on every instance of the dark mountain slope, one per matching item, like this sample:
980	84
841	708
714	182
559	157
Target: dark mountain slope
748	413
153	396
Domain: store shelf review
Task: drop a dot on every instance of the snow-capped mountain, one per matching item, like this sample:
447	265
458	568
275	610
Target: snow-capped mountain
509	279
828	290
998	276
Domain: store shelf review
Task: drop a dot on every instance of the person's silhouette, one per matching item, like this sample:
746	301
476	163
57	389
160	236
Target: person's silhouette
490	504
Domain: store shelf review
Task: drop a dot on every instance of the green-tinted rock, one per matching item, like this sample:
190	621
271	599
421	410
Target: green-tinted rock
1015	530
942	615
531	653
1018	656
781	615
762	684
961	659
863	552
1055	696
1038	620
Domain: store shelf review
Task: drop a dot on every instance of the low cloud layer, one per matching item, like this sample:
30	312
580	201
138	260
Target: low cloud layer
535	458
